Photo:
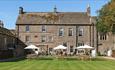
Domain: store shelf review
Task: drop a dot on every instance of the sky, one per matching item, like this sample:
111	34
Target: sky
9	9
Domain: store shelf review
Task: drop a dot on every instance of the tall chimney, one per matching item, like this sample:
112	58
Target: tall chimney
55	9
21	10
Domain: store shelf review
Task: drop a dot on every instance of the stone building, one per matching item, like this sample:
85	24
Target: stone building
8	47
106	42
50	29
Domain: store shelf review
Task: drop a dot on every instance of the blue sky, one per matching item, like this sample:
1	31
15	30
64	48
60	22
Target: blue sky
9	8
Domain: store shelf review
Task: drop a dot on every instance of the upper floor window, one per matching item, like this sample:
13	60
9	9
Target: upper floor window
27	28
43	38
43	28
70	32
80	31
61	32
103	36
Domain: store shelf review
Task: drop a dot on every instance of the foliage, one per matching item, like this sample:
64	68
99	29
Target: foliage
106	17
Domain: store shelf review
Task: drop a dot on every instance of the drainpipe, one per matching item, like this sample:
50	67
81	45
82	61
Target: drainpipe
97	41
93	35
76	35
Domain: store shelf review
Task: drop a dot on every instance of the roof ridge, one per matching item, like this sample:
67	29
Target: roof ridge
53	12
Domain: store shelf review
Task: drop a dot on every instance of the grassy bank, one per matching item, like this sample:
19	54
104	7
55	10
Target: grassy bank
58	65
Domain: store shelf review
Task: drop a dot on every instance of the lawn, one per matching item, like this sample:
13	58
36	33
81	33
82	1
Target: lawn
57	65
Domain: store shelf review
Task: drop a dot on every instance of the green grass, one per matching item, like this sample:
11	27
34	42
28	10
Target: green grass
58	65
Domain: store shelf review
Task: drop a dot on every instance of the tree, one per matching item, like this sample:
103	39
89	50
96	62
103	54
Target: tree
106	18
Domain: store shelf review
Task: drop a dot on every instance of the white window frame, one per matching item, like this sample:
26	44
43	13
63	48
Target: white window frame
43	28
43	38
27	28
61	32
81	31
69	32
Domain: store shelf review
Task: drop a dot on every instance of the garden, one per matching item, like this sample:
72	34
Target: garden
50	63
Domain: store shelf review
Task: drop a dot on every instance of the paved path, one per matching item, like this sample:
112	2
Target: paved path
112	58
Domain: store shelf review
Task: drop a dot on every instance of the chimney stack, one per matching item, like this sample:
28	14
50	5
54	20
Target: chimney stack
21	10
55	9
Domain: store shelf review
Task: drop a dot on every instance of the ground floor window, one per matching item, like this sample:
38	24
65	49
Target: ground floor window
103	36
27	38
65	44
50	51
80	44
43	38
71	48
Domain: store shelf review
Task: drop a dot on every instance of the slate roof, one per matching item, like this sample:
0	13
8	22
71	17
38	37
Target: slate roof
13	31
5	31
64	18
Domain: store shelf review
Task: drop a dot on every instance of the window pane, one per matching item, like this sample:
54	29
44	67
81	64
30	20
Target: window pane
71	48
103	36
27	39
27	28
50	39
61	32
65	44
43	39
80	32
70	32
80	44
43	28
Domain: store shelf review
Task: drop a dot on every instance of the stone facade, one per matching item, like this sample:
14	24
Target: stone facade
30	24
106	43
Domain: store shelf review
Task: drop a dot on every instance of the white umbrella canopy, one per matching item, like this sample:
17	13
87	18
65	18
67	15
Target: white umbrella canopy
60	47
31	47
85	47
80	47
